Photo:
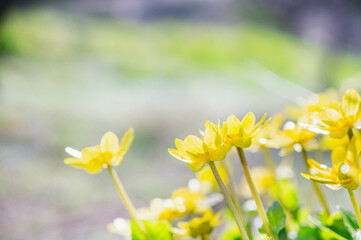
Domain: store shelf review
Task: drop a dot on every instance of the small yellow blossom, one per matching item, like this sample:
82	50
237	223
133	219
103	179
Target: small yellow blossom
346	169
241	133
337	122
109	152
194	201
294	137
197	152
200	227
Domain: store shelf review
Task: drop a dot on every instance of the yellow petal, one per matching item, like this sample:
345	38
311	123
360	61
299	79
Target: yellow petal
338	154
117	160
350	103
76	162
109	143
127	139
233	124
318	179
211	137
248	122
196	166
329	115
220	154
90	153
178	155
193	144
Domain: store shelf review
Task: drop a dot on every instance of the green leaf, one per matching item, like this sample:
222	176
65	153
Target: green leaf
157	230
336	223
276	218
349	220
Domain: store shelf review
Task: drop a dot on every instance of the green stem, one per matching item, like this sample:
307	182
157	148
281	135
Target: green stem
315	185
268	159
128	204
256	197
229	201
355	207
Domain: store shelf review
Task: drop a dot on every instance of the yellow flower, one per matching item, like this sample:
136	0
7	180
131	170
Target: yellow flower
194	201
346	169
263	179
313	103
197	152
294	137
337	122
241	133
200	226
109	152
341	174
182	202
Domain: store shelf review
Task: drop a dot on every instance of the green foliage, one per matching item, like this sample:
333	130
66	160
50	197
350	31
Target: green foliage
349	220
276	217
336	222
158	230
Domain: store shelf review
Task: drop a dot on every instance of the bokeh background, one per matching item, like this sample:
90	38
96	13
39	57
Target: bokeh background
72	70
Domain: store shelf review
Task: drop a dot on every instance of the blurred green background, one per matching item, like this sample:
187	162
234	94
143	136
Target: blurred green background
71	71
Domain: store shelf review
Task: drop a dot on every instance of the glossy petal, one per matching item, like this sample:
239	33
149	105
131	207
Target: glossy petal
350	103
109	143
329	116
193	144
233	124
196	166
248	122
178	155
318	179
127	139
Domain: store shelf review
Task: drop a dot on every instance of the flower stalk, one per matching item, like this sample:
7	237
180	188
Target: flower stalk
256	197
355	207
229	201
128	204
315	185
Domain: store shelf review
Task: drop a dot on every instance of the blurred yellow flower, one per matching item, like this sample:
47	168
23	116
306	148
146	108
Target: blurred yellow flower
182	202
241	133
294	137
338	122
263	179
314	103
109	152
197	152
200	227
194	201
207	180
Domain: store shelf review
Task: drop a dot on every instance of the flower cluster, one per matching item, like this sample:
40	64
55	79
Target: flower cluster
325	122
